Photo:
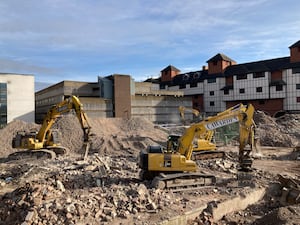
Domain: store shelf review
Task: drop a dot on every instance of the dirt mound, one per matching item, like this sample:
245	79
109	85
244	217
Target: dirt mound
131	135
110	134
280	132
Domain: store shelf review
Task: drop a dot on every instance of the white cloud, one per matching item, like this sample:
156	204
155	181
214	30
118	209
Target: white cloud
63	36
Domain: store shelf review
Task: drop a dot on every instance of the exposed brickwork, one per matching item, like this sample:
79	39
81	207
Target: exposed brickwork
198	102
229	80
276	75
122	96
295	54
270	106
219	66
168	75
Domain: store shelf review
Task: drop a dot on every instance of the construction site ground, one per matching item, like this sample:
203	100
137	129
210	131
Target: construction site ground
106	188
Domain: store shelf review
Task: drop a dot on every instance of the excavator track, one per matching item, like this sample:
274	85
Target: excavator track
32	154
183	181
203	155
47	153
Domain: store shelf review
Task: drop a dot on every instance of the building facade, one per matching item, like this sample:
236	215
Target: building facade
116	96
89	94
16	98
270	85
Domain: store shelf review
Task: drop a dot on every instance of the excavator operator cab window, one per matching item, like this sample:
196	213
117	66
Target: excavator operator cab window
172	143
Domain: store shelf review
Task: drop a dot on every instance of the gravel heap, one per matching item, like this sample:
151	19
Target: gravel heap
281	132
110	135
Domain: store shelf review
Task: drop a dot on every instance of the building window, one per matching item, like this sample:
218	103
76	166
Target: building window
211	93
298	99
211	80
212	103
193	85
279	87
258	74
242	90
186	76
259	89
297	86
296	70
226	92
195	105
241	76
215	63
3	104
182	86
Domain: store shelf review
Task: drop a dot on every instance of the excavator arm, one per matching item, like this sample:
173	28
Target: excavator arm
239	113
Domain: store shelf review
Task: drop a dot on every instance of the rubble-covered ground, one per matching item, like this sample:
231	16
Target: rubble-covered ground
106	189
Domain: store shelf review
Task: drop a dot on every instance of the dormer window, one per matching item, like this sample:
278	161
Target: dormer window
185	77
211	80
258	74
241	77
196	75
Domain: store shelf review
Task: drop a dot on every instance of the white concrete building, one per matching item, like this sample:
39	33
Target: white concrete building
16	98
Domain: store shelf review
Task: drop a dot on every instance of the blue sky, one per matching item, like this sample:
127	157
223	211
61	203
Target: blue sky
81	39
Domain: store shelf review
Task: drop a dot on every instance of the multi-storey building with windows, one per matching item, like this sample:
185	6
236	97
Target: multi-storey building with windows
16	98
270	85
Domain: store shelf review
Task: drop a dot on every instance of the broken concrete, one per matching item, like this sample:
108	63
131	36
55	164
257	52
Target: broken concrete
106	189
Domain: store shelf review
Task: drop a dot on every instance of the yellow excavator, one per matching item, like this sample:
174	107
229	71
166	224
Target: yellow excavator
173	167
203	148
45	142
182	110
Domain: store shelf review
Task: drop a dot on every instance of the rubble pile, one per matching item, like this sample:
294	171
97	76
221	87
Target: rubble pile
106	188
110	135
291	124
276	132
96	191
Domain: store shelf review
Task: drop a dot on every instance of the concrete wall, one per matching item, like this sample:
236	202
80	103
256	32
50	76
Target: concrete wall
97	107
159	109
20	96
88	94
